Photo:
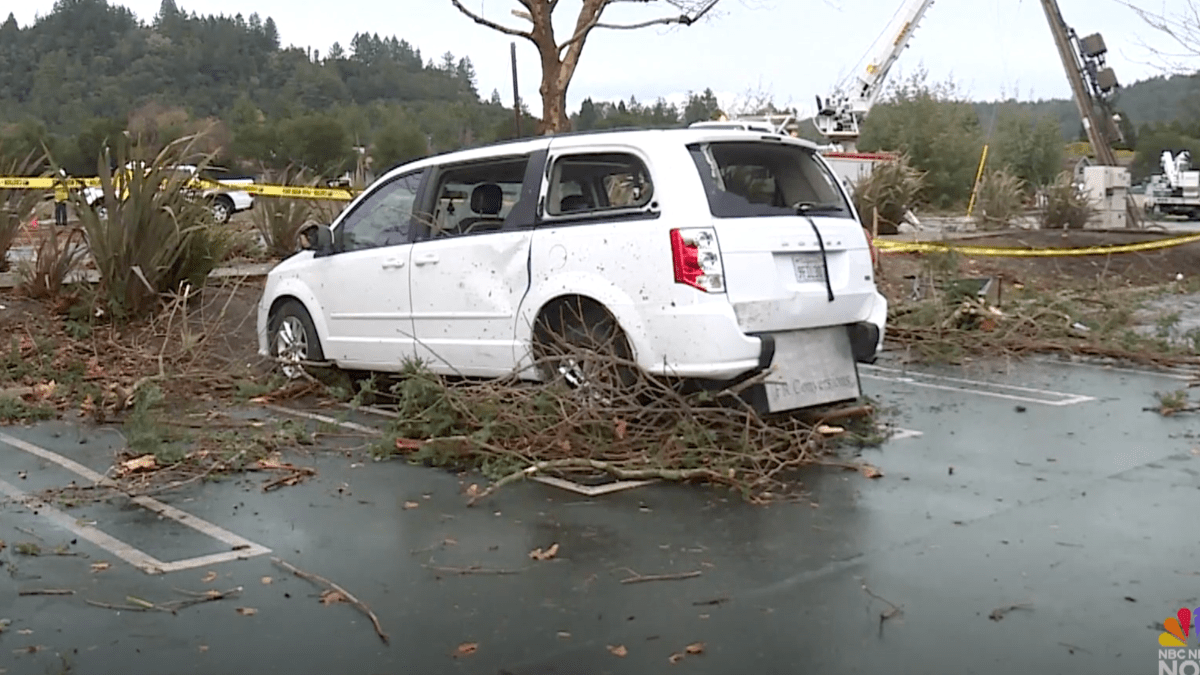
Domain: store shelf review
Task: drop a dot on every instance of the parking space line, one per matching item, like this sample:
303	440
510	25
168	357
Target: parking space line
902	434
316	417
129	554
1132	371
981	387
241	547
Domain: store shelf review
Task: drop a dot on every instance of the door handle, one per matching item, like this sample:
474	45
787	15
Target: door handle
427	259
393	264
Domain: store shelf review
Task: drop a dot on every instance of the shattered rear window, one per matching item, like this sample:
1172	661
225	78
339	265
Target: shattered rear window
748	179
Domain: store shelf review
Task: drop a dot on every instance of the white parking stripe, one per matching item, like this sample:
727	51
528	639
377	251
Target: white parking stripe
322	418
978	387
1173	375
129	554
242	548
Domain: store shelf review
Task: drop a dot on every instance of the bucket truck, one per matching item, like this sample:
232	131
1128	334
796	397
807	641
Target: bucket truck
1182	188
840	115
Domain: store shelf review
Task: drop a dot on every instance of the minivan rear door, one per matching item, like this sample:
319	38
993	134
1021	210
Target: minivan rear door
794	254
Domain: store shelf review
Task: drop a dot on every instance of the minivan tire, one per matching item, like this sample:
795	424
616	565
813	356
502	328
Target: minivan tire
575	341
293	336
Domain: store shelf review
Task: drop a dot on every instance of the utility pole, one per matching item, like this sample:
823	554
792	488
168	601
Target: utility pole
1083	98
1090	82
516	92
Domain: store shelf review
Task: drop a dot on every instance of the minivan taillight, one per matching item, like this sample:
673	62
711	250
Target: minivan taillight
697	259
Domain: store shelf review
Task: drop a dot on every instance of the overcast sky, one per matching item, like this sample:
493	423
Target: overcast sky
791	49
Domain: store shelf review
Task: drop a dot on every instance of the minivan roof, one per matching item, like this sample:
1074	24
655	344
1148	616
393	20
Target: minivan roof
579	139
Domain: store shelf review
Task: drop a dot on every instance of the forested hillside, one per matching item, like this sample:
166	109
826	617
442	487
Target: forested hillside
90	69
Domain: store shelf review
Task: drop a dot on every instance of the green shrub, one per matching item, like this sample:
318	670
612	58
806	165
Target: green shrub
893	188
155	235
1000	200
1065	207
16	206
279	221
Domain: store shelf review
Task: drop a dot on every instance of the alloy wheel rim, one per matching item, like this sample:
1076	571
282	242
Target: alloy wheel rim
291	346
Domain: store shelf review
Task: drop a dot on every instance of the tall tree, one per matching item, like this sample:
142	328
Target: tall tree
559	59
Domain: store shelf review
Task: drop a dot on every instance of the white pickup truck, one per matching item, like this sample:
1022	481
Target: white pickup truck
225	202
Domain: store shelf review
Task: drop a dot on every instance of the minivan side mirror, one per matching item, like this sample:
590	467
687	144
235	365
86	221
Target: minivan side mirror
318	239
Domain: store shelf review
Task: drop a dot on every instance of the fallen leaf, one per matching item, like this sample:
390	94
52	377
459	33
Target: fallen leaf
1196	452
267	581
565	445
209	578
203	648
619	650
473	491
45	390
261	399
408	444
329	597
563	635
827	430
870	471
539	554
25	631
2	544
100	566
620	428
143	463
466	649
675	658
247	611
410	505
695	648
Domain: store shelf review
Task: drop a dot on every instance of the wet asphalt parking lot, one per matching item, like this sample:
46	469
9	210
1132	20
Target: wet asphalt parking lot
1032	517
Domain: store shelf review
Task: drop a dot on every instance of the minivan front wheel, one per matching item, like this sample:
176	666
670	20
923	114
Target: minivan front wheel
580	344
293	338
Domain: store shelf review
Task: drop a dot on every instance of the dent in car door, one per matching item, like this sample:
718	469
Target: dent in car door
364	287
471	271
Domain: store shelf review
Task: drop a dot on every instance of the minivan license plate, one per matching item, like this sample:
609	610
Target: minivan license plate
809	268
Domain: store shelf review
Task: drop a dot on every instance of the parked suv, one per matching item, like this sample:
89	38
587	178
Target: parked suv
705	254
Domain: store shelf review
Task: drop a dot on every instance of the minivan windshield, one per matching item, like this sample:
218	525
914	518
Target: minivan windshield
744	179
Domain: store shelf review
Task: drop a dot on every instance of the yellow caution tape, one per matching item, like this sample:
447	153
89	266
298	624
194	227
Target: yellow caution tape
283	191
998	252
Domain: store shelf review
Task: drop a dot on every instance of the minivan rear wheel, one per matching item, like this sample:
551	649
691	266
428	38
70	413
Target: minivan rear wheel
580	344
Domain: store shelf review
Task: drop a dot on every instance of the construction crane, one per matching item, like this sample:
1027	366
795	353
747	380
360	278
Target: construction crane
839	117
1095	86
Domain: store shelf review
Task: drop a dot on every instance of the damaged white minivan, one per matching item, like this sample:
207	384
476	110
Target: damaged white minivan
706	255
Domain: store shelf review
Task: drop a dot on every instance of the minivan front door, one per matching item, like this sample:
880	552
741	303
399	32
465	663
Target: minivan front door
363	288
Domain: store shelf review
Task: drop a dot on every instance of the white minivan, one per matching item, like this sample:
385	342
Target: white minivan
704	254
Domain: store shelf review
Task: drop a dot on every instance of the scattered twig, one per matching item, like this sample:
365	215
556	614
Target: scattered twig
197	478
47	591
707	603
1073	648
643	578
120	608
474	570
892	611
999	613
29	532
358	604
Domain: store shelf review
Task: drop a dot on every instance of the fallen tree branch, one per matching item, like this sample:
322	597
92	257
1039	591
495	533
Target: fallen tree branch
612	469
358	604
47	591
